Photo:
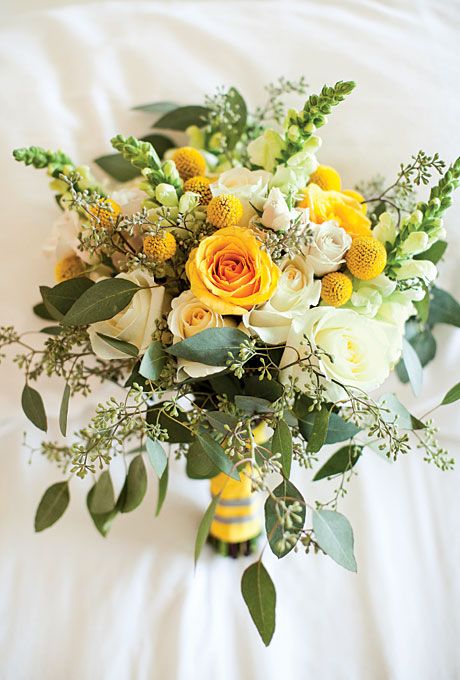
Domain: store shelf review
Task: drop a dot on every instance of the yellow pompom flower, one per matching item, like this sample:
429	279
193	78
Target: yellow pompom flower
160	247
336	289
189	162
68	268
334	205
199	185
225	210
105	216
327	178
366	258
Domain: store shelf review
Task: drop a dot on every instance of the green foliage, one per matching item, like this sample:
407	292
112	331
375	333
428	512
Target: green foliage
251	405
282	444
199	465
338	429
135	486
216	454
102	499
319	429
221	422
153	361
443	308
175	425
156	107
394	411
260	596
162	489
102	522
64	410
204	527
122	346
284	518
157	456
100	302
33	407
182	117
212	346
423	343
334	535
413	367
59	299
52	506
452	395
340	462
121	169
434	253
140	154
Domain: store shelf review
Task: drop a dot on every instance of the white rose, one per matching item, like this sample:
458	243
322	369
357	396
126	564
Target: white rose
296	292
135	323
189	316
327	250
250	186
364	350
129	198
276	213
63	239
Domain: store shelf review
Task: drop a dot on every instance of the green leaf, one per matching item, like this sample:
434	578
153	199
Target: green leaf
199	466
423	343
177	433
153	361
271	390
452	395
120	345
156	107
423	307
217	455
135	485
162	489
122	170
225	384
238	108
443	308
211	346
338	429
62	296
341	461
251	405
434	254
157	456
413	367
288	491
52	506
319	430
260	596
103	496
104	521
183	117
41	311
334	535
160	143
64	410
405	420
51	330
282	444
221	421
100	302
205	525
33	407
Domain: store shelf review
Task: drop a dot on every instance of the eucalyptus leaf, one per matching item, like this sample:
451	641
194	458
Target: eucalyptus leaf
205	526
103	496
220	421
397	412
64	410
434	253
443	308
452	395
157	456
339	429
341	461
282	444
271	390
100	302
251	405
102	522
153	361
217	455
260	596
33	407
424	345
135	485
65	294
120	345
162	489
319	430
199	466
156	107
176	426
211	346
41	311
334	535
51	330
182	117
117	167
239	111
52	506
413	367
275	531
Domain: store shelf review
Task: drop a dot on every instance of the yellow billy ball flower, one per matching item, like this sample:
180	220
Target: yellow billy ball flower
336	289
327	178
160	247
199	185
189	162
105	216
225	210
68	268
366	258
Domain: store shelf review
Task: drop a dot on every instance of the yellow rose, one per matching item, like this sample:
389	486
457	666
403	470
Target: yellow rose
343	208
230	272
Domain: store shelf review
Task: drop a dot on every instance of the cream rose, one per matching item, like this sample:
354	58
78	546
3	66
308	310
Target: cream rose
135	323
363	350
296	292
276	214
327	251
189	316
250	186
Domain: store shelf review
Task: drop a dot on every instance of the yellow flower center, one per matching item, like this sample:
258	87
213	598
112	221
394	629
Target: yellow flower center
105	212
366	258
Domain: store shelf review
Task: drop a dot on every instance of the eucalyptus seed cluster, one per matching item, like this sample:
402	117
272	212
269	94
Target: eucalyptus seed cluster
288	516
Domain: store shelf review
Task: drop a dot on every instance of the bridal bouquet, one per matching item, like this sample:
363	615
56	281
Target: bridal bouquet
244	306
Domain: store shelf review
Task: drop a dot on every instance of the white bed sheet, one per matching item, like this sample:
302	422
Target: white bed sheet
76	606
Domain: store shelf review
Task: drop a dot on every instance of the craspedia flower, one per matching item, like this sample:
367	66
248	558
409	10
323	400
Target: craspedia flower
160	247
225	210
336	289
327	178
366	258
105	212
189	162
199	185
68	268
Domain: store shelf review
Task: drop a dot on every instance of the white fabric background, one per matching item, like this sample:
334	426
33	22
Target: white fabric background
75	606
